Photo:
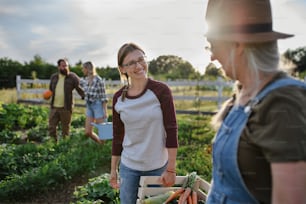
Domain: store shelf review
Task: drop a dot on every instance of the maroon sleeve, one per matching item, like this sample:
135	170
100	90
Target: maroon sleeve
118	128
165	98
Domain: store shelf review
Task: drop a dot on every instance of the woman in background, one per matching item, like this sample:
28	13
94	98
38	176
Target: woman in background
96	100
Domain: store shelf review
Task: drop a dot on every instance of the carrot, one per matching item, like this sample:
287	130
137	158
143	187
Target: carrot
194	197
185	195
189	200
180	201
174	195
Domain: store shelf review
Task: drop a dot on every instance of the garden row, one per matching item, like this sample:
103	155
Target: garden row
30	163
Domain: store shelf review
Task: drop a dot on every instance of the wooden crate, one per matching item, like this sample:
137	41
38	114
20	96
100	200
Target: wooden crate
146	188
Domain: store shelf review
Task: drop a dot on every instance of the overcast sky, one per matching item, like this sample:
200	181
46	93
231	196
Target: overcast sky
95	29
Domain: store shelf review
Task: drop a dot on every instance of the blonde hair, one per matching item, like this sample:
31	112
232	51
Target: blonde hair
90	67
261	58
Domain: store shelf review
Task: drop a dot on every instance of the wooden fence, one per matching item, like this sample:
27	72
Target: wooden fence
30	91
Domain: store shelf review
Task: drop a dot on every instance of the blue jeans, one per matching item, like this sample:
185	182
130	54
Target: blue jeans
129	182
94	109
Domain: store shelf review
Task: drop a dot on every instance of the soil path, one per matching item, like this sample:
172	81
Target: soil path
64	194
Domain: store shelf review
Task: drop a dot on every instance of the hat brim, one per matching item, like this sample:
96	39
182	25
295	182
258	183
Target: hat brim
249	37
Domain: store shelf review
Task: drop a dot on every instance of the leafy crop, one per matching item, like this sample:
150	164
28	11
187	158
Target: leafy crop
37	165
97	190
40	168
17	116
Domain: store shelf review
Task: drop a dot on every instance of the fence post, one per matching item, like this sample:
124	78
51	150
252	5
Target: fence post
18	86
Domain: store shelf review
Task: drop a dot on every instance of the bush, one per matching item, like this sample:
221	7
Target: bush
16	116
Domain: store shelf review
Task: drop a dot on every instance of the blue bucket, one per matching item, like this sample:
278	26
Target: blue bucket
105	130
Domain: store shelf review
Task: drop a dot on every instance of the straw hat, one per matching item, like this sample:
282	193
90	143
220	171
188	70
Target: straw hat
241	21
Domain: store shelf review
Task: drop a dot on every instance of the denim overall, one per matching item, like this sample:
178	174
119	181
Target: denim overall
227	183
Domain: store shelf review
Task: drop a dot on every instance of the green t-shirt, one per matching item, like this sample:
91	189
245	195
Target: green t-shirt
275	132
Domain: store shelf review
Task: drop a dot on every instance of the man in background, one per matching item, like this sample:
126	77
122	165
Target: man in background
62	85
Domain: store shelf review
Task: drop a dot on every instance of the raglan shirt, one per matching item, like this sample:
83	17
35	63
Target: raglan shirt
275	132
144	126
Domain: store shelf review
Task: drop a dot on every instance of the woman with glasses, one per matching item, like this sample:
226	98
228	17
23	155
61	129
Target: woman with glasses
96	100
144	127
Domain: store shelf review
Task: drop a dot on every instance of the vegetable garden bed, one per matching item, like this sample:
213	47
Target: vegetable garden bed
34	169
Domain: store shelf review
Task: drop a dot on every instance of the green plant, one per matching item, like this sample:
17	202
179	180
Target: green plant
185	132
32	168
38	133
40	173
194	152
97	189
78	121
18	159
17	116
10	137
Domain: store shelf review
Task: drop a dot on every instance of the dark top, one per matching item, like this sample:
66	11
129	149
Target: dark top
275	132
72	82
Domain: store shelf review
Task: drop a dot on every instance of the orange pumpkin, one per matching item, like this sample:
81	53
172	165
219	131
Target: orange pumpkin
47	94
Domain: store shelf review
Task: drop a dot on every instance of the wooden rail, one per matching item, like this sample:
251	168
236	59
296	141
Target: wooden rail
30	91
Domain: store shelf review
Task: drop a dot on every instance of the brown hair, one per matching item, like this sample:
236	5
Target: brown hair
124	50
62	60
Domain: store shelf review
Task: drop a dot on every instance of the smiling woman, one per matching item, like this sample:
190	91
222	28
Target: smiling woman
145	136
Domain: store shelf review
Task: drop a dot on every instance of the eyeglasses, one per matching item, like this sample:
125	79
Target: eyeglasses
133	64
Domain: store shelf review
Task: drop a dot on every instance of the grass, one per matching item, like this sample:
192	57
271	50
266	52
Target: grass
188	105
8	95
190	92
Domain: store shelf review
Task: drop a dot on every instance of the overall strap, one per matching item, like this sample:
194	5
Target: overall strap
288	81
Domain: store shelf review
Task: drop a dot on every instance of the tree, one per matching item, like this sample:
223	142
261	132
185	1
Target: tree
298	58
212	71
79	63
8	71
38	65
77	69
107	73
173	67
